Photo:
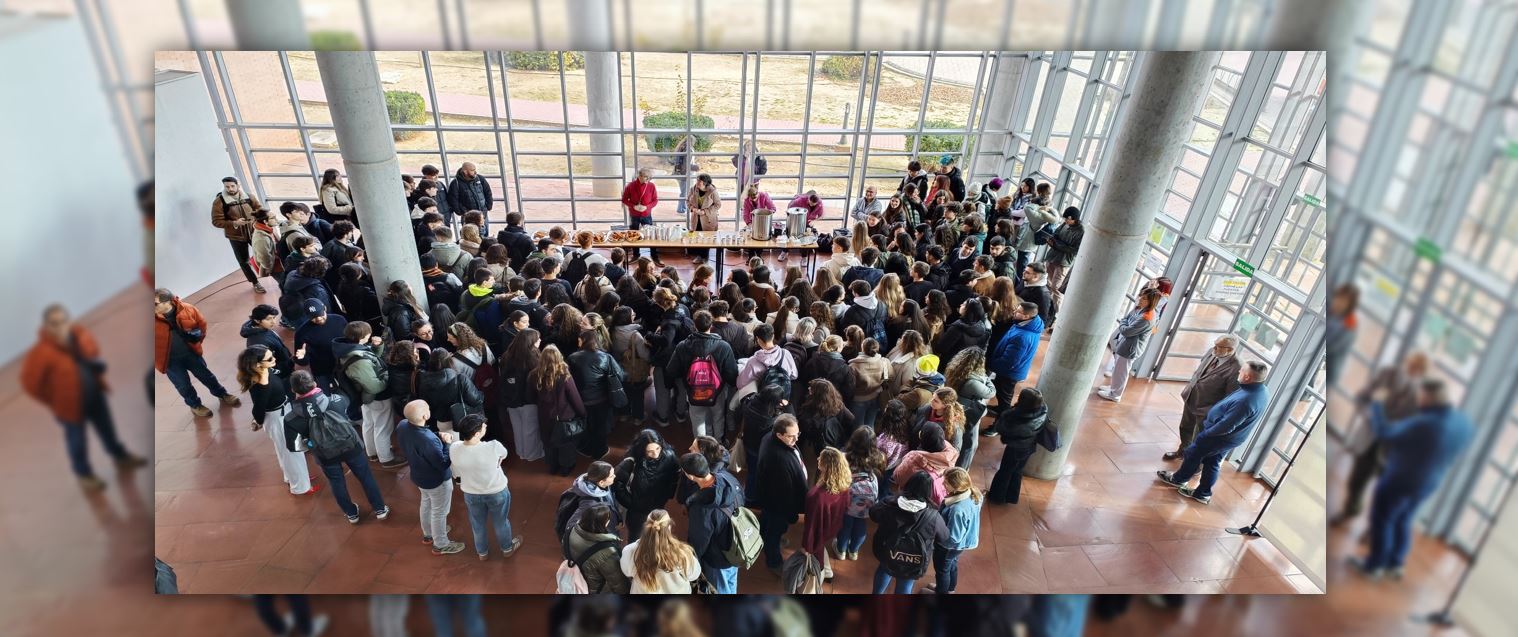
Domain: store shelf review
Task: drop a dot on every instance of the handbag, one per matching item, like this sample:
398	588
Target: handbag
565	430
459	409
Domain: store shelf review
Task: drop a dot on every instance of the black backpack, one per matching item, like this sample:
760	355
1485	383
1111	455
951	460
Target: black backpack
329	431
576	268
906	555
872	322
440	291
569	502
776	375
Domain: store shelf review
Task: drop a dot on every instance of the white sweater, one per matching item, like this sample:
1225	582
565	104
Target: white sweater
676	582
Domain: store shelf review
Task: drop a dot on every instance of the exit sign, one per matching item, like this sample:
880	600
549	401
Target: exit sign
1425	248
1312	201
1244	267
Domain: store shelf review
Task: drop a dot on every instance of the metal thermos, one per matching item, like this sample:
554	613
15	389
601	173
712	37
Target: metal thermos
795	227
760	228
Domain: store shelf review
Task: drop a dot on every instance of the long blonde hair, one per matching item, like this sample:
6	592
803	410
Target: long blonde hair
954	413
658	550
833	473
860	234
957	481
890	293
675	620
550	371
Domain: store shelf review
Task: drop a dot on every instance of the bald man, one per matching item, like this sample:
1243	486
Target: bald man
431	472
1400	384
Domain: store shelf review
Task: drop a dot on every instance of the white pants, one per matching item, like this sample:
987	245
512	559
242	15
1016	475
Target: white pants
1119	381
379	427
291	463
710	420
387	615
524	432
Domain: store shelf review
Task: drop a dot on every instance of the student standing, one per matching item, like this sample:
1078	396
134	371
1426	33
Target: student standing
516	392
659	563
478	465
779	486
961	514
553	390
269	391
334	445
64	371
364	378
432	473
866	462
179	333
827	505
710	508
646	478
1018	427
232	211
908	529
1128	343
601	568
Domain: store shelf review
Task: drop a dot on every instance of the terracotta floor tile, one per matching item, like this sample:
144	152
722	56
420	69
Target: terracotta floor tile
1066	527
214	542
1267	585
207	505
1009	520
351	569
1257	557
272	579
1130	565
1197	560
1020	564
1068	569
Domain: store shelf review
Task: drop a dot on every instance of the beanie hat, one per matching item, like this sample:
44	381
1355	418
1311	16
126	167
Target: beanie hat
927	364
428	261
996	183
975	186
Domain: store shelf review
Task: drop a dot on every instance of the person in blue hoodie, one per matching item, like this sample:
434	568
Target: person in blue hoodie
431	472
1012	357
1418	450
961	513
710	509
1227	425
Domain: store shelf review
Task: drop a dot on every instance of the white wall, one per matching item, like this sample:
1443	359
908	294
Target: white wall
75	236
190	159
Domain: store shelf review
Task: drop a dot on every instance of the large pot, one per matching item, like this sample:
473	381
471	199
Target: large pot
759	230
795	222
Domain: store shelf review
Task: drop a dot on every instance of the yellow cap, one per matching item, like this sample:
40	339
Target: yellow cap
927	364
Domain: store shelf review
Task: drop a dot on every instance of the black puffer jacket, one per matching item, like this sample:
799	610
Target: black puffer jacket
401	384
674	325
441	389
518	244
643	484
516	390
959	336
398	317
596	375
284	361
832	367
537	315
1018	428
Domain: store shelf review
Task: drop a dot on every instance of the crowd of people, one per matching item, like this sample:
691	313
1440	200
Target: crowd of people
852	399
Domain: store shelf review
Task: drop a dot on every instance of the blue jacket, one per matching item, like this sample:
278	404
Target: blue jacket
1012	357
711	528
424	450
1420	448
962	516
1229	422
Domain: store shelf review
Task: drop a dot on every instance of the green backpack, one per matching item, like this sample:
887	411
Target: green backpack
746	546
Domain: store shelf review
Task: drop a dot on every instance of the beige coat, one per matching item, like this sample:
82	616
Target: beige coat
1205	389
337	201
235	220
703	209
870	374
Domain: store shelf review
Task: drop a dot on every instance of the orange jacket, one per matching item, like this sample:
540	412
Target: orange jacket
189	319
51	375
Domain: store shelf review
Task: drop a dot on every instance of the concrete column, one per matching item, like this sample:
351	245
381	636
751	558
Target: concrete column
590	32
268	25
1005	86
1148	144
357	101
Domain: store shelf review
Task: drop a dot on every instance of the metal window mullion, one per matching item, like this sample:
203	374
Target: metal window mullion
511	136
985	106
300	119
242	132
221	116
922	105
806	121
968	158
107	68
495	120
632	67
1286	192
742	125
437	117
1083	111
1473	166
569	163
368	20
458	11
874	101
1229	148
1054	83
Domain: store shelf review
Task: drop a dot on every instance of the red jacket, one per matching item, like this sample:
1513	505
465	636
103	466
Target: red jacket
51	375
824	517
640	193
189	319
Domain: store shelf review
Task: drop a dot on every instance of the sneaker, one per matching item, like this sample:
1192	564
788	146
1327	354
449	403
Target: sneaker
312	491
427	539
91	483
1172	455
353	519
448	549
483	557
374	459
382	513
516	543
833	551
259	289
394	464
1169	478
201	411
1359	565
853	555
229	400
129	461
1105	395
1191	493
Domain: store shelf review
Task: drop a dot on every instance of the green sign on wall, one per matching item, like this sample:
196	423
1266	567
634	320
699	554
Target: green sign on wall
1425	248
1312	201
1244	267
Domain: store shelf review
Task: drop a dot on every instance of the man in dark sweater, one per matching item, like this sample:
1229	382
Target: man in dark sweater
431	472
732	333
920	286
518	243
779	485
259	330
313	341
702	344
710	509
537	315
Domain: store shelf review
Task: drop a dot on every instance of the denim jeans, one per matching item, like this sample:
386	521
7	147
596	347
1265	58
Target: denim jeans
946	568
179	371
493	509
99	414
883	582
772	527
1392	512
359	464
1209	460
851	536
436	502
865	412
725	580
442	608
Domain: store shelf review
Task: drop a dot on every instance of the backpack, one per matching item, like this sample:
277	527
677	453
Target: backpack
484	379
441	292
864	490
350	389
872	322
1047	437
776	375
330	432
576	267
637	368
704	381
747	545
569	502
906	554
569	579
761	165
801	574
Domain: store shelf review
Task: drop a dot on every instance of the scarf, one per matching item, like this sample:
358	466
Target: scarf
433	271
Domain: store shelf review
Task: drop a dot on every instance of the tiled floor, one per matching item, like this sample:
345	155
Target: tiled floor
226	522
78	564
